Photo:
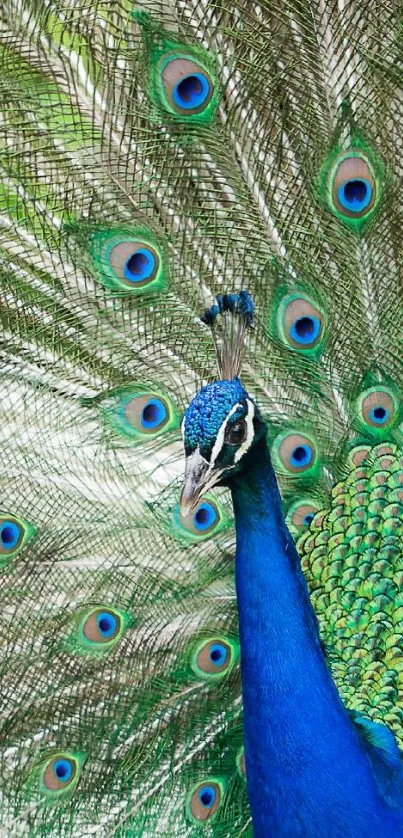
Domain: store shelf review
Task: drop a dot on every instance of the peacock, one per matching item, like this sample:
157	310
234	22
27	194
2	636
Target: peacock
201	419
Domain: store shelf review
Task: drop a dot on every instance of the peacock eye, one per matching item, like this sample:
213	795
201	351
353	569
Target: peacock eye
236	434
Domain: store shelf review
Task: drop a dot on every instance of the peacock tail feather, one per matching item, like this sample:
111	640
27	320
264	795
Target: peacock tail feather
151	157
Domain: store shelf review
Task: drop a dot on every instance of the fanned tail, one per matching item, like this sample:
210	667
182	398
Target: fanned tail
127	203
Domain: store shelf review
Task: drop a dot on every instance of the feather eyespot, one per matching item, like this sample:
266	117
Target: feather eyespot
11	534
59	775
301	514
139	414
204	800
214	657
205	517
205	520
130	260
147	414
378	409
97	630
295	453
187	87
134	263
353	185
14	533
300	323
102	626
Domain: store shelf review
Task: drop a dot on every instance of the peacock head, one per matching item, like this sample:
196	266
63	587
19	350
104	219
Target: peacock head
220	428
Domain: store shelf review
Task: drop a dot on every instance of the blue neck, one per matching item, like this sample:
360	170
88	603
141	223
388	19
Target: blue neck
307	770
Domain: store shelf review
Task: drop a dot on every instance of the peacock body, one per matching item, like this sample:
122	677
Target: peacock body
151	159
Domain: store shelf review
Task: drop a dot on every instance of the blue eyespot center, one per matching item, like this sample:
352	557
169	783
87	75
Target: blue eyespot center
191	92
107	624
305	330
218	654
355	195
207	796
301	456
308	519
205	516
140	265
379	414
63	770
153	414
9	534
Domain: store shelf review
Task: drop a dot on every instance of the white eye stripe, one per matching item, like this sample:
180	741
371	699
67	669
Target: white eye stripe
221	433
250	431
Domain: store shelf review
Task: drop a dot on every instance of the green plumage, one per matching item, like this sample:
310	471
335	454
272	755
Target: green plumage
236	193
352	560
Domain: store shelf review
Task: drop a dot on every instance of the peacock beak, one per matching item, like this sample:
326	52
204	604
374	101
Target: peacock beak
199	476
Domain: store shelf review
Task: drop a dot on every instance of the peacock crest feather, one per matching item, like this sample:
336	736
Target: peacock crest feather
158	161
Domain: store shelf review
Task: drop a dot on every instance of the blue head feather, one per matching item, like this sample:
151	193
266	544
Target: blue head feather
207	411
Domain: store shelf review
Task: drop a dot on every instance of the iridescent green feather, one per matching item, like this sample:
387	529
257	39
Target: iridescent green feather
352	560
